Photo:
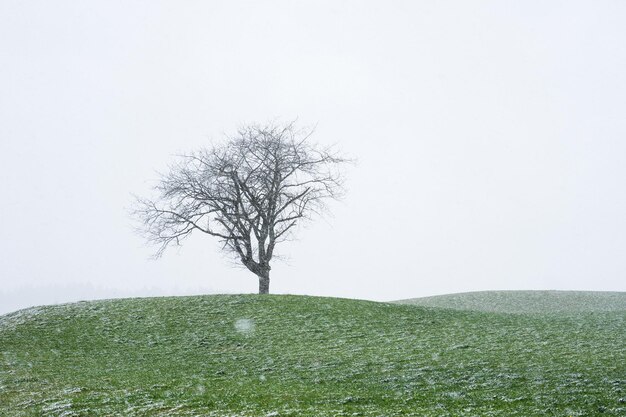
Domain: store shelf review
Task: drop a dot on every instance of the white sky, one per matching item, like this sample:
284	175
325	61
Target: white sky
490	137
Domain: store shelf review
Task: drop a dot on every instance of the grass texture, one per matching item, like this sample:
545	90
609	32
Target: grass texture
280	355
527	302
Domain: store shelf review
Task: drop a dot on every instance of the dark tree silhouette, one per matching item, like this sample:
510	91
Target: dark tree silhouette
250	193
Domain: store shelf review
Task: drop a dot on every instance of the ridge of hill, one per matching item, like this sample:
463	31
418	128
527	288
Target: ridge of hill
250	355
521	302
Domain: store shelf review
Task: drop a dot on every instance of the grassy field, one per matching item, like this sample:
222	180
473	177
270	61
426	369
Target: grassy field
271	355
527	302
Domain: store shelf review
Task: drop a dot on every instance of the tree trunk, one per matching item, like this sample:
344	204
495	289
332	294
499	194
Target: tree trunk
264	282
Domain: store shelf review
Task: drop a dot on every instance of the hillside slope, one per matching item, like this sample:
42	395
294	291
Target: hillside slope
527	301
306	356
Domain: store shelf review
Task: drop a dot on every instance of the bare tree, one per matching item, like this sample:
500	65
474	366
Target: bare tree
250	193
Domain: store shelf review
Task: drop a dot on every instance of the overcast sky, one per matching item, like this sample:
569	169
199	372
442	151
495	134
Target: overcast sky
490	135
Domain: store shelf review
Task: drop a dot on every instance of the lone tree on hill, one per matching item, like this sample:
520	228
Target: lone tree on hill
250	193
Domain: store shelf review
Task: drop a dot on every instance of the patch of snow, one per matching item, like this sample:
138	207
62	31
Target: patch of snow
245	326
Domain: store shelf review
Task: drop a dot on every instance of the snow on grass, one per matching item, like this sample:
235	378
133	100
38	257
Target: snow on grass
12	320
308	356
522	302
245	326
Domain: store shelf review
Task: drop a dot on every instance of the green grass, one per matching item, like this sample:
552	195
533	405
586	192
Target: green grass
535	302
271	355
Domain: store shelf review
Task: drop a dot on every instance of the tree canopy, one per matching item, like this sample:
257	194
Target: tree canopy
250	192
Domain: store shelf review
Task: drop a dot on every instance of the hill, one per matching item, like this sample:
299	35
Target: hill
527	301
253	355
